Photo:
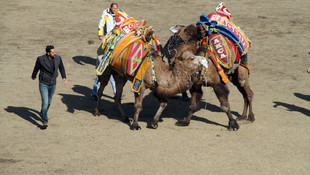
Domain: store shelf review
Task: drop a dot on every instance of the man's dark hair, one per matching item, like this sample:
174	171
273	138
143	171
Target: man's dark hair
114	3
49	48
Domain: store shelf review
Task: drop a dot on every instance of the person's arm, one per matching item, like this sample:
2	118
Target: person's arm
103	18
62	71
35	69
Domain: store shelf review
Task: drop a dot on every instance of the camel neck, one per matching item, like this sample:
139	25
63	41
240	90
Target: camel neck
172	81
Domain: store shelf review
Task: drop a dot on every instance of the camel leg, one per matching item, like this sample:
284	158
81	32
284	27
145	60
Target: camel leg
241	80
138	109
120	83
162	105
103	84
196	95
222	92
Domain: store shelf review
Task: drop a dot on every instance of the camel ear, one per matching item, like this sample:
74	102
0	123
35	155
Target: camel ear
176	28
191	30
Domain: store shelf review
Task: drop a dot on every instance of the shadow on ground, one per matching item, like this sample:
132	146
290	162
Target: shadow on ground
83	102
82	60
31	115
302	96
292	107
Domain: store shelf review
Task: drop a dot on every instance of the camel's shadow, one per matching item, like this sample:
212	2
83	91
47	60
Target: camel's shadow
31	115
83	102
84	60
177	108
292	107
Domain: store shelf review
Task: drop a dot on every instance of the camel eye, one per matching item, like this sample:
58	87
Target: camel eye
180	58
192	57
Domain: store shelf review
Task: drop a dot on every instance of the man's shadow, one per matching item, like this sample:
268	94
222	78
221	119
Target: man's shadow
82	60
292	107
31	115
302	96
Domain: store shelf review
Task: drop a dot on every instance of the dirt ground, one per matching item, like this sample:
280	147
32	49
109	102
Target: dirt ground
76	142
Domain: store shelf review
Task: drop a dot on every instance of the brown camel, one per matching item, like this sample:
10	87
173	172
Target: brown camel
184	40
168	83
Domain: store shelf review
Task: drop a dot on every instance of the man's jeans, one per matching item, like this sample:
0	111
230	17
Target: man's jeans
97	85
47	92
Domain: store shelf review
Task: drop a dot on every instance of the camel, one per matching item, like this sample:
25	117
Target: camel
159	78
185	40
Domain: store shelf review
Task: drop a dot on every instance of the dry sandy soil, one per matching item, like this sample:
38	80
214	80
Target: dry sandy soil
76	142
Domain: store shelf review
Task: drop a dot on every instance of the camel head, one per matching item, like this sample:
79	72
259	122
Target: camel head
184	33
190	62
183	38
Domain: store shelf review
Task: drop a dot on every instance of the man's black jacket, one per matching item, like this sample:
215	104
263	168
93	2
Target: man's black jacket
47	75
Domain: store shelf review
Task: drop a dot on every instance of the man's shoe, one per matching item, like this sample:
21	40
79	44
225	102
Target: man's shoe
44	126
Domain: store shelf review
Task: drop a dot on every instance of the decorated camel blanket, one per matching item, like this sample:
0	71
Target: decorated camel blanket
225	41
124	24
223	17
132	57
127	51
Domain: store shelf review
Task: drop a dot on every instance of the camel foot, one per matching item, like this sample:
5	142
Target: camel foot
243	117
251	118
233	125
154	125
182	122
135	126
97	112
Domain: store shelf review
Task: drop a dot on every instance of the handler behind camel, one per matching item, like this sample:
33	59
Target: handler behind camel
48	65
106	25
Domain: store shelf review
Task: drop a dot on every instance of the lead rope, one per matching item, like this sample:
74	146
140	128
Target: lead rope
152	62
204	77
153	70
206	93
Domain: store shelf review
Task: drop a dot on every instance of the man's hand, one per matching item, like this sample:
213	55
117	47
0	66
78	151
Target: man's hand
100	38
33	78
65	80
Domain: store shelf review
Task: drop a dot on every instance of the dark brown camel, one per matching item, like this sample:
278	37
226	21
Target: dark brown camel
168	83
185	39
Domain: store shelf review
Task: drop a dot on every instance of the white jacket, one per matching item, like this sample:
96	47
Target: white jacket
106	23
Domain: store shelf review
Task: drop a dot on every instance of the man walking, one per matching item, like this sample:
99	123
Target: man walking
48	65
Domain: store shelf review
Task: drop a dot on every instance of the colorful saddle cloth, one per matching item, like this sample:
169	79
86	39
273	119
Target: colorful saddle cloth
128	51
223	17
132	58
107	52
124	22
225	41
223	50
